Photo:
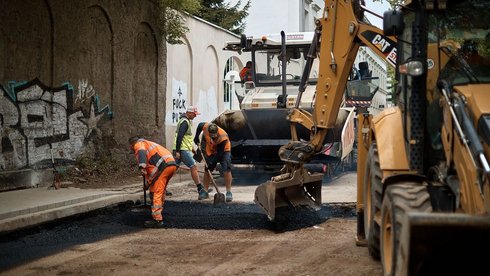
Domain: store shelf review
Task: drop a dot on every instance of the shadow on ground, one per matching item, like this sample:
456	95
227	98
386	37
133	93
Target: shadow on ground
30	244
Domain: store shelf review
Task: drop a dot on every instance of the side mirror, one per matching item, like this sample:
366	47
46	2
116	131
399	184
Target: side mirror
294	53
393	22
232	77
243	41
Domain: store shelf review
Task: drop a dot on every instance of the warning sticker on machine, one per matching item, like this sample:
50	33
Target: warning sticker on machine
391	57
295	37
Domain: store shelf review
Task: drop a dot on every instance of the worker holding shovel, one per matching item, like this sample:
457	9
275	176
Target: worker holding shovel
216	148
183	149
157	165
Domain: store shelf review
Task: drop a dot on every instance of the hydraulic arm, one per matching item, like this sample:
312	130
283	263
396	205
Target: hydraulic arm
338	36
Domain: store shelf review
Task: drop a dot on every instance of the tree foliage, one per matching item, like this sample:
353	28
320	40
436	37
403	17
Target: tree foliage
393	3
171	23
225	15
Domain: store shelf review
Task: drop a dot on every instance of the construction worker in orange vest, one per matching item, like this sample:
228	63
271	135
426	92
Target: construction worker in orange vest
157	165
246	72
216	148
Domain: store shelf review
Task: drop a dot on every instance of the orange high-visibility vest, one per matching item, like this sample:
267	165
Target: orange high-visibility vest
246	74
153	157
212	145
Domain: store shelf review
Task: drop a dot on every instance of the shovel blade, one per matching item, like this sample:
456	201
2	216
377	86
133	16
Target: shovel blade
219	199
299	189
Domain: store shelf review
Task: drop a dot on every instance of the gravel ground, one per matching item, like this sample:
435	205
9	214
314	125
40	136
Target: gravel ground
198	238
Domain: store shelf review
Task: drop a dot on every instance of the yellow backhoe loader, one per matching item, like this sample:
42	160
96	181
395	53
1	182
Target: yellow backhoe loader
337	38
423	199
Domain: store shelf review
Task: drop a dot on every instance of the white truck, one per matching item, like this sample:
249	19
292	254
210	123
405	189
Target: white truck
260	127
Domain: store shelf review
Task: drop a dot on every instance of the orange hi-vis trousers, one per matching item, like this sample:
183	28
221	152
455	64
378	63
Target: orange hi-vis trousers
158	189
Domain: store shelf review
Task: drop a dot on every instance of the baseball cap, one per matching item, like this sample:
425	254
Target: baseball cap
212	128
193	109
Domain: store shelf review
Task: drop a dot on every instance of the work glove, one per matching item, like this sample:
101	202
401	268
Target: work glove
146	185
196	141
211	166
197	156
177	154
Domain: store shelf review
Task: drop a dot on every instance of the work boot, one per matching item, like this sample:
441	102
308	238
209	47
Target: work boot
229	197
154	223
203	194
199	187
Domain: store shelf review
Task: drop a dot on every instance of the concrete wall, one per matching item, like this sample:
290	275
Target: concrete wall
77	75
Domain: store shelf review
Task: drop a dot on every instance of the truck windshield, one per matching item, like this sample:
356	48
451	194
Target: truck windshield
268	66
468	24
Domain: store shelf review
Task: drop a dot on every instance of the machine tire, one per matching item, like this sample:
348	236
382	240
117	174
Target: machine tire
372	191
399	199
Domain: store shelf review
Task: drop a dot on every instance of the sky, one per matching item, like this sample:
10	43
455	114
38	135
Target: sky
377	7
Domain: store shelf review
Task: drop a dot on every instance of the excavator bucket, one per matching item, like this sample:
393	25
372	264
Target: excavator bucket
441	243
257	134
303	189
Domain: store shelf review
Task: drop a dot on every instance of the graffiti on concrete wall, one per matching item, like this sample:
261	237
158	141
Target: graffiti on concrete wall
40	123
179	102
85	92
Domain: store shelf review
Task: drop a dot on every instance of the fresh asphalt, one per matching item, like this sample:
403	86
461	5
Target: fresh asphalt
41	221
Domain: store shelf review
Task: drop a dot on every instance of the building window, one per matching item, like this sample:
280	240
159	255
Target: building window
315	7
227	87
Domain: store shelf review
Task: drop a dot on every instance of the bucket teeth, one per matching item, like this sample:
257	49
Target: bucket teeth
302	189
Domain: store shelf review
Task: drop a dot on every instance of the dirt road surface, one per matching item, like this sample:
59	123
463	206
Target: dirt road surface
198	239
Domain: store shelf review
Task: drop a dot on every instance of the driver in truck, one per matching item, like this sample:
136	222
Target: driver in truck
246	72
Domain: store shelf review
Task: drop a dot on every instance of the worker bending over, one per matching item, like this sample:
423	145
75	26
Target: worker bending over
216	148
157	165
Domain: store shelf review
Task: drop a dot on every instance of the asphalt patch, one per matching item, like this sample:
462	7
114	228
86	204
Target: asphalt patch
26	245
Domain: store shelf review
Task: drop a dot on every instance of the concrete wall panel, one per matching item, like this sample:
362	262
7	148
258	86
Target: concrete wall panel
98	53
144	85
70	74
26	28
179	94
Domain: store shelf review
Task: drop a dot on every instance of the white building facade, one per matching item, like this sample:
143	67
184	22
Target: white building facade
195	73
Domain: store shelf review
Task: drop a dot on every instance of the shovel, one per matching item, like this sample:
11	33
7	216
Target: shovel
219	198
141	207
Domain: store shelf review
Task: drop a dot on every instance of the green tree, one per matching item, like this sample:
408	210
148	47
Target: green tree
171	23
225	15
393	3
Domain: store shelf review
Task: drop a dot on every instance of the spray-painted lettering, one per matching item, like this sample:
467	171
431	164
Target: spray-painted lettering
35	117
179	104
